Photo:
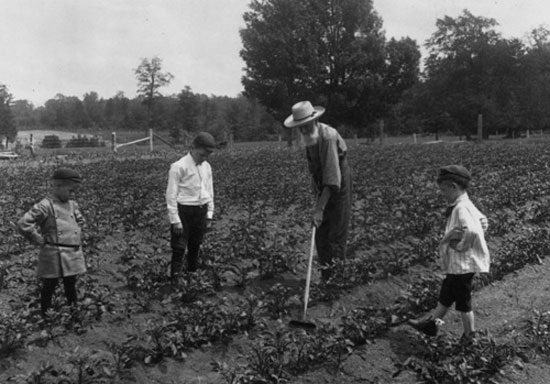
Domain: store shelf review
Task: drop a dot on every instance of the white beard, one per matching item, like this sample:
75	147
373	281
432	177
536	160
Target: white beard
312	139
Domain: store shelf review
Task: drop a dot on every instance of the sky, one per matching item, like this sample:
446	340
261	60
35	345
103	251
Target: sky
73	47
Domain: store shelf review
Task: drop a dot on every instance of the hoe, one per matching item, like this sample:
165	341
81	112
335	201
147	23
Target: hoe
303	323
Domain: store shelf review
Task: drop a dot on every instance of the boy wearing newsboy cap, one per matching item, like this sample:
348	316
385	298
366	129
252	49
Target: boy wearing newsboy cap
54	224
463	252
190	203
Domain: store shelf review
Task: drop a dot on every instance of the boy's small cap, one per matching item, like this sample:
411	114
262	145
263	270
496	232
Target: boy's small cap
205	140
457	170
67	174
455	173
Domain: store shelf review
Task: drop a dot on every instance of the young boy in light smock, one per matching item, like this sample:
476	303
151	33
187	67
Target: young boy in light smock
463	252
54	224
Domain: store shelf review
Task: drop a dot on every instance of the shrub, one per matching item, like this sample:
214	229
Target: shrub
51	141
84	141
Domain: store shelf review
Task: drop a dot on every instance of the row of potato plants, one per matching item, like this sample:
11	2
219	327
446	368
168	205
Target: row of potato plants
132	208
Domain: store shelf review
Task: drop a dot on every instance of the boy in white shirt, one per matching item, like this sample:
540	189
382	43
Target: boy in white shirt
190	203
463	251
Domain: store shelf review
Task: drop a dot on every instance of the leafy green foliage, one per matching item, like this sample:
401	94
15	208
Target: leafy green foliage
448	361
259	243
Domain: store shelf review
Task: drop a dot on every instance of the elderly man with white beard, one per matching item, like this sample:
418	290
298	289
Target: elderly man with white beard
331	178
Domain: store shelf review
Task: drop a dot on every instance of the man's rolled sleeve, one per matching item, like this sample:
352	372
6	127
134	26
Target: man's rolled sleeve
210	188
331	165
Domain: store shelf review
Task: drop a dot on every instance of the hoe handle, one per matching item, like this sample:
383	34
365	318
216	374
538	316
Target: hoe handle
308	276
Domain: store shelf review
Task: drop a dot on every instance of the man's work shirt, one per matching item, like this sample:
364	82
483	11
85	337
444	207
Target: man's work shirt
189	184
324	158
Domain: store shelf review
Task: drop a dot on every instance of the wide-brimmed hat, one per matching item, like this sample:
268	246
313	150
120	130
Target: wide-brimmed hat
303	112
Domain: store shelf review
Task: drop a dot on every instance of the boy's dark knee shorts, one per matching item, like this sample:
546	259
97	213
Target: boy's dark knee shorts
457	289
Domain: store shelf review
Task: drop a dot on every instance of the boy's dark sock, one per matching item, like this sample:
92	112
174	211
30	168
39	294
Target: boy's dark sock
69	283
48	288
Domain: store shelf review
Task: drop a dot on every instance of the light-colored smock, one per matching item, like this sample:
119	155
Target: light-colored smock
55	226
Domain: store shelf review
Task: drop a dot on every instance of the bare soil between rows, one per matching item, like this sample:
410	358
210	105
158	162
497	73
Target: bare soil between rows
500	308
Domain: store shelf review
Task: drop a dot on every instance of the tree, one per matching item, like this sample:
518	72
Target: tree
66	112
331	52
187	114
7	125
23	114
535	81
470	70
93	108
116	111
150	79
402	68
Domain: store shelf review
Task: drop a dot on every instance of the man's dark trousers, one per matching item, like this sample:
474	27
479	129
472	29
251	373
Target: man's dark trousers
332	235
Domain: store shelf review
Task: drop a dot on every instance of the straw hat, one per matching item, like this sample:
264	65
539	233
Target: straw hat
303	112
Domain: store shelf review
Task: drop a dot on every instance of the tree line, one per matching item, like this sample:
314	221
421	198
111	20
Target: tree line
175	115
333	53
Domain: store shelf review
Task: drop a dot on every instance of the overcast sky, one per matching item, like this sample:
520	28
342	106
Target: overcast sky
73	47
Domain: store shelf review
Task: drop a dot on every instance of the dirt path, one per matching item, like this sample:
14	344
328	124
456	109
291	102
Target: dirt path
500	308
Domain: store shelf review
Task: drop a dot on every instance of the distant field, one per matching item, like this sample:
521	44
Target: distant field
24	136
141	148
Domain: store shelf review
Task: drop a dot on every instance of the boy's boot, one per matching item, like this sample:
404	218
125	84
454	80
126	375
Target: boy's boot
426	325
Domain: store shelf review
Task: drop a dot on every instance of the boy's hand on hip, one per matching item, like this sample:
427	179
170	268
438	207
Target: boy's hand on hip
457	233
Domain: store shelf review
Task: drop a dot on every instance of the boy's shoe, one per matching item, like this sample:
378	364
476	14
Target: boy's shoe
426	325
467	340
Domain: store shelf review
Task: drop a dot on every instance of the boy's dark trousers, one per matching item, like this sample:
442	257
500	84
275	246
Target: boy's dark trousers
193	220
48	288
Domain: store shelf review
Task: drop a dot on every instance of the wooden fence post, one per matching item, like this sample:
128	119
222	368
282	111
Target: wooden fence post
113	141
150	140
31	145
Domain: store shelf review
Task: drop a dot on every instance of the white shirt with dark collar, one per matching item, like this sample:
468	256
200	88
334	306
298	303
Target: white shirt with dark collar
470	254
189	184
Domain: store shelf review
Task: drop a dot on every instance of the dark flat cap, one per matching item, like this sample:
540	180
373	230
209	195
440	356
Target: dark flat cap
205	140
66	174
455	173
